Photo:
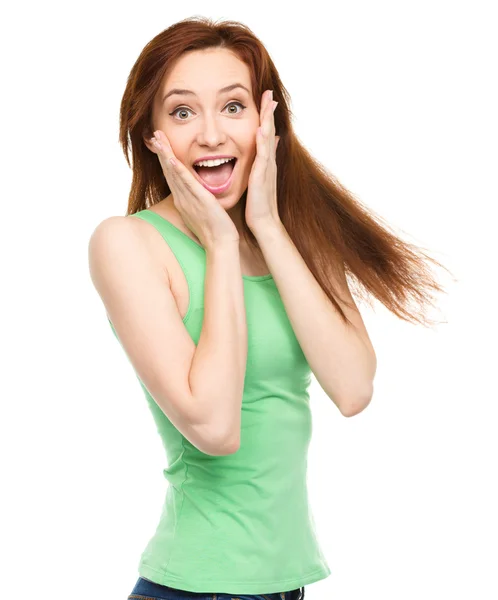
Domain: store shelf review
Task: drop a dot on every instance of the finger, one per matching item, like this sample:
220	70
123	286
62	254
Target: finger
263	146
263	126
266	133
178	171
175	168
270	126
269	120
265	102
271	117
165	148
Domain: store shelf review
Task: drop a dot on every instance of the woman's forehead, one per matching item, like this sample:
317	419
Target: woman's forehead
207	72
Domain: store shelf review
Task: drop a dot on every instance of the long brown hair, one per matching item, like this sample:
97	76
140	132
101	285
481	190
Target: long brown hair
334	233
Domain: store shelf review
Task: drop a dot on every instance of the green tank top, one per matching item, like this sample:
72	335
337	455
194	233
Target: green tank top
240	523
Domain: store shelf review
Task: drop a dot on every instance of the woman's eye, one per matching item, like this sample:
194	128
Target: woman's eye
184	109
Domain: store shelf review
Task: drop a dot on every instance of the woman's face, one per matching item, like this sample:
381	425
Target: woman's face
208	121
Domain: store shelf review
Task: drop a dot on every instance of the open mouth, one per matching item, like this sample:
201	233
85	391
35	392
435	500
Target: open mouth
216	177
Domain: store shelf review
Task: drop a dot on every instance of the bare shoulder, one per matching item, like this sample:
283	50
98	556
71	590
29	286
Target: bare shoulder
124	238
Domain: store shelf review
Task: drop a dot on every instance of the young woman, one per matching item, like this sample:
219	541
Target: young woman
225	284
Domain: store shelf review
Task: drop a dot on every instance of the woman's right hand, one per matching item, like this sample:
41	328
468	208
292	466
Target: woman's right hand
198	207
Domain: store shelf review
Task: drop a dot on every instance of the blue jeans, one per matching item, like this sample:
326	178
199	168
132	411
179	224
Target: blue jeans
148	590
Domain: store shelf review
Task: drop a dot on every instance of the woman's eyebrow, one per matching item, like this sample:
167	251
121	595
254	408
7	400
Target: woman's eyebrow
223	90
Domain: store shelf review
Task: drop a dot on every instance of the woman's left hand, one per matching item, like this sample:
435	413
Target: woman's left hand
261	206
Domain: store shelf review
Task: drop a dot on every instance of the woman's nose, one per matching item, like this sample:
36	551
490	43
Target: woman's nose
212	132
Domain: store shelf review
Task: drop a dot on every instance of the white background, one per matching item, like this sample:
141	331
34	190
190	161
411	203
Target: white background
396	99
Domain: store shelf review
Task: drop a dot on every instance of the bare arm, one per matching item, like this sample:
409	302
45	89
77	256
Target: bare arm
219	365
198	388
341	357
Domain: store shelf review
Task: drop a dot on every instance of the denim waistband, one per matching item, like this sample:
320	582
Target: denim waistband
149	590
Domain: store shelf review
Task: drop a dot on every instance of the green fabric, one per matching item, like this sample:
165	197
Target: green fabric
240	523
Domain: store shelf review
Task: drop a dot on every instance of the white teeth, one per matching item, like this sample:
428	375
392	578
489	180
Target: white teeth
212	163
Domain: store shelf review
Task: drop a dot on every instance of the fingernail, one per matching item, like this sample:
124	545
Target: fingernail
271	94
274	106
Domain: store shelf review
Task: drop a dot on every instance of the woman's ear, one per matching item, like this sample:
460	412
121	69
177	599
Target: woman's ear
148	143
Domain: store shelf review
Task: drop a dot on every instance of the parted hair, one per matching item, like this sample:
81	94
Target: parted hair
336	235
